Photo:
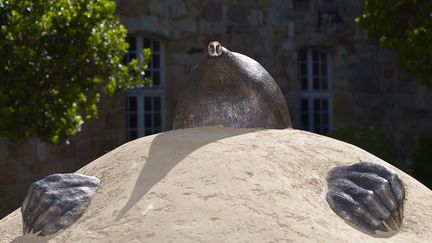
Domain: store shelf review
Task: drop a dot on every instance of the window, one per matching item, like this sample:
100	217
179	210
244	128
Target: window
146	106
314	69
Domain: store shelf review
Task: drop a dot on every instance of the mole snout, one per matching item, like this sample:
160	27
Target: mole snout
214	49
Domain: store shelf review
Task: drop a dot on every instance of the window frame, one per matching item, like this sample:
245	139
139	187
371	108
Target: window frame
143	92
140	111
310	94
161	53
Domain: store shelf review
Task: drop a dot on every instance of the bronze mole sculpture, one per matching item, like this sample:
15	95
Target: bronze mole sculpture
232	90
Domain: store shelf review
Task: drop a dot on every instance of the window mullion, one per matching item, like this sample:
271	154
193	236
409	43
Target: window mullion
309	70
310	88
330	93
140	109
310	113
163	114
156	92
139	46
152	111
161	66
329	74
330	112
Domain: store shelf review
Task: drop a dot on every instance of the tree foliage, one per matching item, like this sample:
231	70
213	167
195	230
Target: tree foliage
406	26
57	57
368	138
421	157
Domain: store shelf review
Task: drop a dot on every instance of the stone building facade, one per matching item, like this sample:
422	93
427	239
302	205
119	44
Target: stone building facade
330	74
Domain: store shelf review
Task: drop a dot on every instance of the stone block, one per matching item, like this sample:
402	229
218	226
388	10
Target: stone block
149	24
417	100
7	172
237	13
212	11
293	84
302	5
157	8
273	16
115	121
289	3
229	29
255	17
270	64
362	115
42	150
181	59
266	33
113	104
416	114
100	146
84	155
66	150
300	26
288	45
241	29
381	100
23	149
130	7
282	82
364	83
187	25
139	7
12	197
178	75
291	29
179	9
405	85
293	14
4	152
4	209
212	27
25	173
55	166
341	106
281	3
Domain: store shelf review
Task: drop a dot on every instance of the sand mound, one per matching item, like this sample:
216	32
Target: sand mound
225	185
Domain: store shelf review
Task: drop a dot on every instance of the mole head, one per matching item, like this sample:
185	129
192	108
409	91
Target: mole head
215	49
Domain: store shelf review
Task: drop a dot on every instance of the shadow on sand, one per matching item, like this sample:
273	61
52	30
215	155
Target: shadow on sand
167	150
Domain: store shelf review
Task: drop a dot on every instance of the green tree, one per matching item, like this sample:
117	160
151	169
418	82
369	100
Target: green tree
421	157
57	57
406	26
368	138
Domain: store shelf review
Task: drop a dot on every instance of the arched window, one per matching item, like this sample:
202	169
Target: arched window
146	108
314	72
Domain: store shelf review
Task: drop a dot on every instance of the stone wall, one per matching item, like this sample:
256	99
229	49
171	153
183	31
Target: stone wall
23	162
367	88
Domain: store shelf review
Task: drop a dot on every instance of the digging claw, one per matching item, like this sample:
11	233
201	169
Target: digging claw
368	196
56	202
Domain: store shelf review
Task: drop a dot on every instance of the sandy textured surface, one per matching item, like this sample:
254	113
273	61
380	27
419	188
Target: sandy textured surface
225	185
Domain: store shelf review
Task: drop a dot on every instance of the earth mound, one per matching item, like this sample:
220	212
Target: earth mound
225	185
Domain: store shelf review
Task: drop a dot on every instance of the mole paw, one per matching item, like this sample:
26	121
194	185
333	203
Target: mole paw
367	196
56	201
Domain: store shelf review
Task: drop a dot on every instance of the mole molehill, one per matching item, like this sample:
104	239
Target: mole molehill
231	90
